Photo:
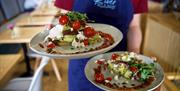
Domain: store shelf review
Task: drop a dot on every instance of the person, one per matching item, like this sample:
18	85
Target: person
123	14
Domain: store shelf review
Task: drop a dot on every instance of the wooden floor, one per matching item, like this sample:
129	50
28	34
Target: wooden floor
50	82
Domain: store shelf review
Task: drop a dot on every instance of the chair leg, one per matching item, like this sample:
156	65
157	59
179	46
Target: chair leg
37	63
56	69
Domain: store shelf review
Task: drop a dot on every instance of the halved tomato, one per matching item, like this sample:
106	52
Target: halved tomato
86	42
51	45
64	19
76	25
133	68
99	78
89	32
114	56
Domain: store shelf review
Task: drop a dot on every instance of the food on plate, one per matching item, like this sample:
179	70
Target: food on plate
73	35
124	71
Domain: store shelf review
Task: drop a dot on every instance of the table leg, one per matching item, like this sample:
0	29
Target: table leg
27	61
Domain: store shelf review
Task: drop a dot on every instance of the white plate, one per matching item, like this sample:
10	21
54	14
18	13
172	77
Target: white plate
114	32
89	72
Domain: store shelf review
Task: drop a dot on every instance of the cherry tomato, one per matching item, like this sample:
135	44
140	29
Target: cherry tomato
133	68
89	32
51	45
114	56
76	25
99	78
86	42
63	19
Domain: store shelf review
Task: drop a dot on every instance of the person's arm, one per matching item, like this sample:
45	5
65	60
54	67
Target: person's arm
64	4
134	36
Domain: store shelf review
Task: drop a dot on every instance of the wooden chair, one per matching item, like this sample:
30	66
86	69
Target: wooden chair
7	64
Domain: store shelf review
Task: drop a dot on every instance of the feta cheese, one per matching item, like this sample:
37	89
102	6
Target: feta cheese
102	59
80	36
116	77
115	65
126	58
77	44
71	29
56	32
132	54
107	81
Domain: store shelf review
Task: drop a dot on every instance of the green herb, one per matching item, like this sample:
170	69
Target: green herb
76	16
146	71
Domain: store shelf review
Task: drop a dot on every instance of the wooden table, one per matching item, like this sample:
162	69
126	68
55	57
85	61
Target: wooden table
50	11
168	20
7	65
24	35
35	20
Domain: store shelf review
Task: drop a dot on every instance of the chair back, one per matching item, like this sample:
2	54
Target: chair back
36	83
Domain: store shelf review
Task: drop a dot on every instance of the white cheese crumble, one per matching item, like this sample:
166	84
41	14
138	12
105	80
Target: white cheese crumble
80	36
115	65
116	77
107	81
56	32
132	54
126	58
71	29
77	44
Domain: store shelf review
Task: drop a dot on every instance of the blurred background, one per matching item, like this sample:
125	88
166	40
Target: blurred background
20	20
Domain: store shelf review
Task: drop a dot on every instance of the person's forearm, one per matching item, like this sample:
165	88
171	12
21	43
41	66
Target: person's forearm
63	10
134	39
134	36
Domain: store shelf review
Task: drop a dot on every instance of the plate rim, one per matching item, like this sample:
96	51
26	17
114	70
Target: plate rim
110	89
79	55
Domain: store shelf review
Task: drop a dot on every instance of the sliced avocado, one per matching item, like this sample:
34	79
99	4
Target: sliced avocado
66	27
95	39
122	69
128	74
68	38
64	43
110	65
